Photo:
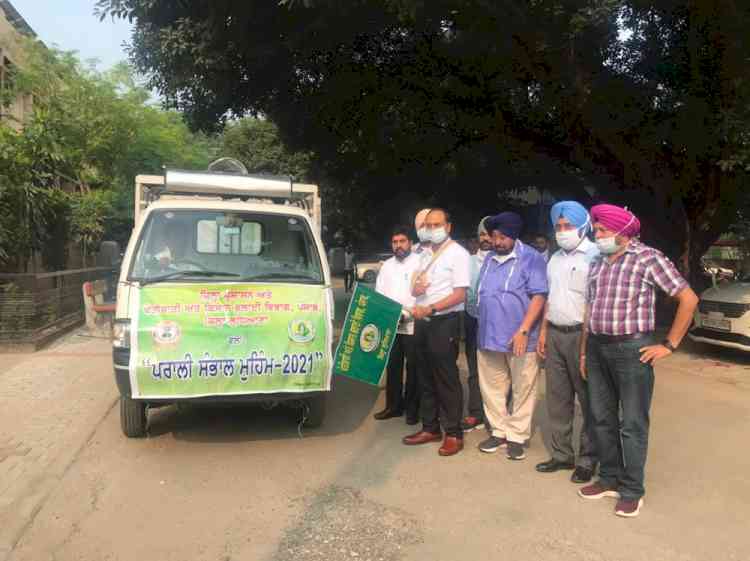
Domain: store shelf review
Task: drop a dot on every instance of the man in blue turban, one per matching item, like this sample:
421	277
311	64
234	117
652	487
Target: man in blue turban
512	288
560	340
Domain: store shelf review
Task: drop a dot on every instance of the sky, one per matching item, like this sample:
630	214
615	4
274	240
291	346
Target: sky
70	25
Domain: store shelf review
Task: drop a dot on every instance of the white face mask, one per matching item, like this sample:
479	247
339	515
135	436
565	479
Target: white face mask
568	239
607	246
438	235
424	235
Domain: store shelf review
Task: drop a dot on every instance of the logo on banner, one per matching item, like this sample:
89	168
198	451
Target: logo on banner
301	330
166	333
369	339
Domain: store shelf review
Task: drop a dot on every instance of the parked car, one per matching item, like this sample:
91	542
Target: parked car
723	316
369	266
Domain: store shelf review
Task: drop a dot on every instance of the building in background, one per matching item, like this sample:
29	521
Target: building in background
13	28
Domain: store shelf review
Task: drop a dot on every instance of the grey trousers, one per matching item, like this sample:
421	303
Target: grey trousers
564	383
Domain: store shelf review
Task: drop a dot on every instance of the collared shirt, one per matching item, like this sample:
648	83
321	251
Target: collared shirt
622	295
477	260
506	286
566	275
450	270
394	279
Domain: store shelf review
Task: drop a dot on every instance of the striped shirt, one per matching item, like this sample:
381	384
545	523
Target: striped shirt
622	295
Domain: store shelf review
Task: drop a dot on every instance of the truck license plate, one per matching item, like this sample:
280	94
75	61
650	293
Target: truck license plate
717	324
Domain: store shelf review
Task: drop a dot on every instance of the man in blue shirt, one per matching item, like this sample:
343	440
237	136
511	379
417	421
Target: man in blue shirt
512	288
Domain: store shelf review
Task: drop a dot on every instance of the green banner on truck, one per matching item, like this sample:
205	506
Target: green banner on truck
214	339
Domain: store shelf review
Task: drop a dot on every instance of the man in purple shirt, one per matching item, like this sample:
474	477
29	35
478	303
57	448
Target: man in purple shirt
618	350
512	287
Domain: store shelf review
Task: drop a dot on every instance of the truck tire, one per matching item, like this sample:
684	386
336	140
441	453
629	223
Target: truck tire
316	411
132	417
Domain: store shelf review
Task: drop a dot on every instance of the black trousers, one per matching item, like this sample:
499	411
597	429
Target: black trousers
475	406
442	400
400	396
349	279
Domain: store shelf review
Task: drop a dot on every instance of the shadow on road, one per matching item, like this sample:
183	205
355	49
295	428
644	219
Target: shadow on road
349	403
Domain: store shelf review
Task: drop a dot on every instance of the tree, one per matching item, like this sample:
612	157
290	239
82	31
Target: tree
256	143
68	174
386	90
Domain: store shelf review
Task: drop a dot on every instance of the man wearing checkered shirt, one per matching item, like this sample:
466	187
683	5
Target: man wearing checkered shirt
619	348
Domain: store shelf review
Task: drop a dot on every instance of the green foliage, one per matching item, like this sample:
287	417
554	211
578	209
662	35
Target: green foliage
256	143
89	213
69	173
393	93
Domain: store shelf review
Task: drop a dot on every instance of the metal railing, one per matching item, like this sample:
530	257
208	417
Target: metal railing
35	305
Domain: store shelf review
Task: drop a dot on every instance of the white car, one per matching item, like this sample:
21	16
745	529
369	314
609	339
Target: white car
723	316
369	267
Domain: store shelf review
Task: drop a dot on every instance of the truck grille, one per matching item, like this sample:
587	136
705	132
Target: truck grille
729	309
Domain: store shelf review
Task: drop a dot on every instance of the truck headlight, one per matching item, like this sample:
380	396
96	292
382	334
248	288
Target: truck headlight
121	334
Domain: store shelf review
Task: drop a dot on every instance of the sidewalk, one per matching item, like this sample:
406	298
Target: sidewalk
53	401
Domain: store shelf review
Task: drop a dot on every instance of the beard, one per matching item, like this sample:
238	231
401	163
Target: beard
402	254
503	251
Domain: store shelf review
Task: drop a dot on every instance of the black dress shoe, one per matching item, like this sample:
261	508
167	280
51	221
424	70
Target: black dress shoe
386	414
554	465
582	475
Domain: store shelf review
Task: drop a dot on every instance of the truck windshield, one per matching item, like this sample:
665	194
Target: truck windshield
190	245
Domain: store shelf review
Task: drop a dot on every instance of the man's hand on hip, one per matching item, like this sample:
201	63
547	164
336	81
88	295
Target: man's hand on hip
652	353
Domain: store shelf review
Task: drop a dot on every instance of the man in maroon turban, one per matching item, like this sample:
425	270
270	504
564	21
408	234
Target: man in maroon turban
618	350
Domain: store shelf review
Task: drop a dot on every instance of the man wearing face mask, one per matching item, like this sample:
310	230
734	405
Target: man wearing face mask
423	247
512	291
475	419
619	349
560	341
440	290
394	281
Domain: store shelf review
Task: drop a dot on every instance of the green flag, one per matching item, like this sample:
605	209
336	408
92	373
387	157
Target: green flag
368	335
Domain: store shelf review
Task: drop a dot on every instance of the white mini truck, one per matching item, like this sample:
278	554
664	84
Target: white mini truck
224	296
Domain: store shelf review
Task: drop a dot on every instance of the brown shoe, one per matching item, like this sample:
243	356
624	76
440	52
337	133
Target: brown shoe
451	446
422	437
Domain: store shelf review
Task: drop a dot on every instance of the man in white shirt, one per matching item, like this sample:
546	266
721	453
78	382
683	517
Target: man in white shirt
440	290
394	281
560	340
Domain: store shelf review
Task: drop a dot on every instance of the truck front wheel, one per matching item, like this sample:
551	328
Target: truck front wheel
316	411
132	417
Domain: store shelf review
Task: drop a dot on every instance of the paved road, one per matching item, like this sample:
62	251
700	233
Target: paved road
239	484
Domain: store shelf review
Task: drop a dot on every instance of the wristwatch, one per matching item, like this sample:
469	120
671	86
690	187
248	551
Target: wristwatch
433	310
667	344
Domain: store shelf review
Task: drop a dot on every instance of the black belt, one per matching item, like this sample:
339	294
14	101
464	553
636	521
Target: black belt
566	328
442	316
620	338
